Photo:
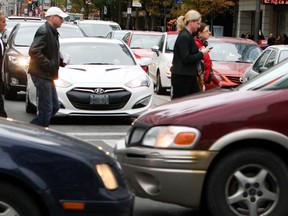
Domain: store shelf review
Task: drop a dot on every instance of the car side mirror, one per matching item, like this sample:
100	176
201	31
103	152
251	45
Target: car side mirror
262	69
145	61
155	49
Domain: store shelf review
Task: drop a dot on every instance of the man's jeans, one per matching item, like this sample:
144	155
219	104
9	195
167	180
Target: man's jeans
48	104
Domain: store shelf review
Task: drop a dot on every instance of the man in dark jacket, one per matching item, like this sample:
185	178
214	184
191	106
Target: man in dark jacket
2	48
44	64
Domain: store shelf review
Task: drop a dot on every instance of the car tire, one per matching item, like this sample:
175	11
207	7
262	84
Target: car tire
246	179
30	108
159	89
17	202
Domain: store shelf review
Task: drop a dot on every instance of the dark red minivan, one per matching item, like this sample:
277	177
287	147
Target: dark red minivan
225	150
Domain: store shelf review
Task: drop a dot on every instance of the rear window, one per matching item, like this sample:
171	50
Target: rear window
25	35
97	29
145	41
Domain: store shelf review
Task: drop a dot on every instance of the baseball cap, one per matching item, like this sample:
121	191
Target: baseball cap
52	11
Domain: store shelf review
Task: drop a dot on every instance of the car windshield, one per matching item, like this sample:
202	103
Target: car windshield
144	41
99	30
25	35
233	52
97	53
171	42
119	34
283	55
275	78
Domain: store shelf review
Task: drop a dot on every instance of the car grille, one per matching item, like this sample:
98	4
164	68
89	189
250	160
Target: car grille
234	79
114	98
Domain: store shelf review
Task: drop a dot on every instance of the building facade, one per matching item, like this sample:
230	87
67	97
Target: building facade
273	17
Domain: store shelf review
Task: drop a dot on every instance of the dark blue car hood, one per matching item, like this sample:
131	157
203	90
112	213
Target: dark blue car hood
21	134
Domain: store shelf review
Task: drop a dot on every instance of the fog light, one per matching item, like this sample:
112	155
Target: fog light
142	103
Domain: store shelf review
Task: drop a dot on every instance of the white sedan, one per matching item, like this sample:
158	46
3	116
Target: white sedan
159	69
102	78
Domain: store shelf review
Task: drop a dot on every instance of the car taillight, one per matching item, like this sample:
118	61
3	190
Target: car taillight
145	68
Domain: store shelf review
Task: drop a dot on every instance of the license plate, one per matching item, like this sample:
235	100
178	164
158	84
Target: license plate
99	99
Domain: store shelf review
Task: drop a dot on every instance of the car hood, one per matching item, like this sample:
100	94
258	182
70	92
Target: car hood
236	69
214	105
142	53
105	74
19	135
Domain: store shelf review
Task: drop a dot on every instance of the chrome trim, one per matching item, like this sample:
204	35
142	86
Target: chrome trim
91	90
246	134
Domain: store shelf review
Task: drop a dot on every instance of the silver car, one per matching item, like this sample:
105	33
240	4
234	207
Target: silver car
268	58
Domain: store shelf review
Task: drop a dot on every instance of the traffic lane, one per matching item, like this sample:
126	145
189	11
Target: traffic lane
147	207
95	130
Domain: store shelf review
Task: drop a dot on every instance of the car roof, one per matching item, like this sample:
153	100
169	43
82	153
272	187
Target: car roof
96	22
232	40
279	47
172	32
23	18
41	23
146	32
90	39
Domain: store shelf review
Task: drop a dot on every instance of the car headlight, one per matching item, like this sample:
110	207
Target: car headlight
168	71
171	137
107	176
20	60
62	83
138	82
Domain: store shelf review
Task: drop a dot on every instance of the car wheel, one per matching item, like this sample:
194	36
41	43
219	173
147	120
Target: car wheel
30	108
159	88
9	94
250	181
14	201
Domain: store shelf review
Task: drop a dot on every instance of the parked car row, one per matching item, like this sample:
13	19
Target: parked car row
140	42
16	57
230	58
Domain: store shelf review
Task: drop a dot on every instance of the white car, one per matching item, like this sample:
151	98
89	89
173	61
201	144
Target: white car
272	55
102	78
159	69
97	28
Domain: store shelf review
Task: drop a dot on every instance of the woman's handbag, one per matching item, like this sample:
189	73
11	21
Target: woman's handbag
200	81
210	77
200	67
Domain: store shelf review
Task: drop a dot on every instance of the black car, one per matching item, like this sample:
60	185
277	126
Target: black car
16	58
45	173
